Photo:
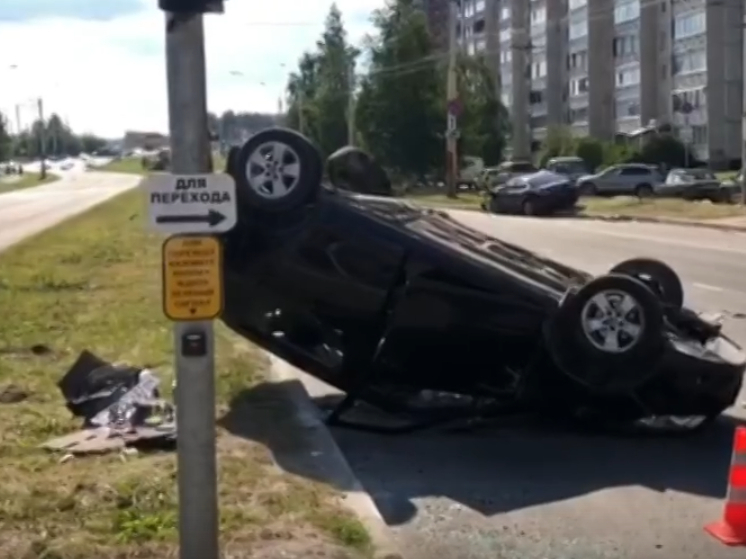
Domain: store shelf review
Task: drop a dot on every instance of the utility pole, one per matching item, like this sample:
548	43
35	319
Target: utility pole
351	108
18	130
453	103
42	139
195	376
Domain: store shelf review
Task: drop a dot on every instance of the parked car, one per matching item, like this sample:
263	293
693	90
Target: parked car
509	169
735	186
630	179
487	178
571	167
540	193
384	299
695	184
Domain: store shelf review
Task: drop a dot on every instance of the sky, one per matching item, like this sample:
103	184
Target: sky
100	64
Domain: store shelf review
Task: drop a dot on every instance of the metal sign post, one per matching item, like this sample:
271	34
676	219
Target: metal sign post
192	203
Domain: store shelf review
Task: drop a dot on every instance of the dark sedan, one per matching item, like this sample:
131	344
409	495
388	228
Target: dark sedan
695	184
540	193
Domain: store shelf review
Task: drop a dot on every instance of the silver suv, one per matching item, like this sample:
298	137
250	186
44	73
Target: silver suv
629	179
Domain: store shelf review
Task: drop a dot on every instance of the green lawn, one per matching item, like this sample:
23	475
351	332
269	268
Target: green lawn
28	180
94	283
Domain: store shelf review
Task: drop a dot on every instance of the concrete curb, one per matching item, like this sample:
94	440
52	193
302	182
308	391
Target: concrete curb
619	218
335	465
663	221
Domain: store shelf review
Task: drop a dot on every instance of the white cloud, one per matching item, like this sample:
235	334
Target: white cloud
106	77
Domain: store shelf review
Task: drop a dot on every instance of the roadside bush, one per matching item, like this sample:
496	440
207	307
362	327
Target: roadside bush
591	151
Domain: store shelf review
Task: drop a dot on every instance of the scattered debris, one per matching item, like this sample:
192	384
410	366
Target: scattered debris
12	394
120	405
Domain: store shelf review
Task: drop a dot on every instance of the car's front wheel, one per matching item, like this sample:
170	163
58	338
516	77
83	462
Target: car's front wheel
608	335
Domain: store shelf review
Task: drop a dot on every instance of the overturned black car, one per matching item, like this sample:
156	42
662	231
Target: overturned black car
386	300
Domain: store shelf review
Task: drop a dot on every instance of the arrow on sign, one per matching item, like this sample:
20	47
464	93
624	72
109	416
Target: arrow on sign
212	218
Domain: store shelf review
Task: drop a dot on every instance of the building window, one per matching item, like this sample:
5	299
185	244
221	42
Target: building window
689	24
505	35
506	98
468	8
625	109
578	61
689	99
578	86
539	15
579	29
470	49
579	115
479	6
628	76
689	62
575	4
538	69
505	13
699	134
626	46
479	26
505	56
480	45
536	97
626	11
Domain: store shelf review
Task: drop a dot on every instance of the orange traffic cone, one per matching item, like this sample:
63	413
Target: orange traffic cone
731	530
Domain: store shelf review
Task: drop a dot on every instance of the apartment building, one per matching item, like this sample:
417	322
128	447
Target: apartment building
604	67
706	46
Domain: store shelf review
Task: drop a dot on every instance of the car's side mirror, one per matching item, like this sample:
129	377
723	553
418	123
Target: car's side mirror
350	168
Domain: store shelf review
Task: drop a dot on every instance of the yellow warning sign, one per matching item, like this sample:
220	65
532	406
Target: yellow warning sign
192	278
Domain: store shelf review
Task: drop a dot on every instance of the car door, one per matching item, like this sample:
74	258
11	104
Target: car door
509	197
606	182
630	178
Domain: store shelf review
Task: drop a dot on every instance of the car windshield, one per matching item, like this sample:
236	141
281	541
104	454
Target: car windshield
544	178
567	167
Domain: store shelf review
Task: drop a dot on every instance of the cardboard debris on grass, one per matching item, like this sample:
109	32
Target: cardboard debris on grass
120	406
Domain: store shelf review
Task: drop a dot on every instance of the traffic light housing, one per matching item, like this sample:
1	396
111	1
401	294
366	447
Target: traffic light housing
191	6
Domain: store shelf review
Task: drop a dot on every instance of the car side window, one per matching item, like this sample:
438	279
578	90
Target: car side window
673	178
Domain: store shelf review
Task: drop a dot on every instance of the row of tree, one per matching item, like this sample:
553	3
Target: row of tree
398	103
52	137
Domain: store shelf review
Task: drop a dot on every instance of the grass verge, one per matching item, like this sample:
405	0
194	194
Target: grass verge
661	207
28	180
619	205
94	283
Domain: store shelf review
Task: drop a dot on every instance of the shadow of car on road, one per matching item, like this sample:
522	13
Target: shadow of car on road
499	467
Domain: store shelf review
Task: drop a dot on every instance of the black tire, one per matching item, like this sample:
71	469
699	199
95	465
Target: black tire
657	275
587	189
644	191
577	353
231	161
350	168
528	207
253	194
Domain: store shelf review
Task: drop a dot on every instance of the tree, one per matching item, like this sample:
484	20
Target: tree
591	151
558	143
484	123
336	63
302	87
399	110
5	139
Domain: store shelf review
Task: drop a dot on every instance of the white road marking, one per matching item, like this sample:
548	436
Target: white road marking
708	287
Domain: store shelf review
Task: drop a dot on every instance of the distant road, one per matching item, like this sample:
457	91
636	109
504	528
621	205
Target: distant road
26	212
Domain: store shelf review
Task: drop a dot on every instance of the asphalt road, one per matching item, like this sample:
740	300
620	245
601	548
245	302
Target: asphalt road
516	491
28	211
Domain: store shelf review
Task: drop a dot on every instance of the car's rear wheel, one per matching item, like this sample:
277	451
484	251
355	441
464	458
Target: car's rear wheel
277	170
657	275
608	335
643	191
